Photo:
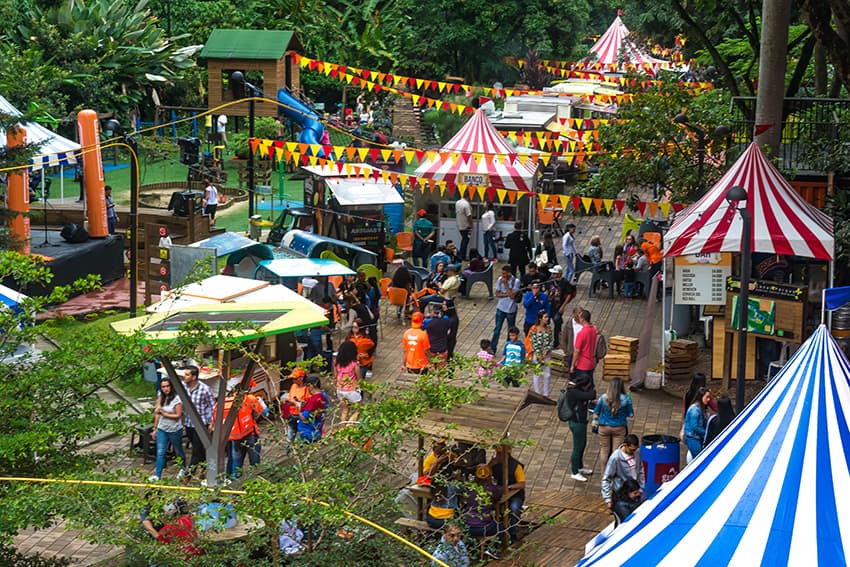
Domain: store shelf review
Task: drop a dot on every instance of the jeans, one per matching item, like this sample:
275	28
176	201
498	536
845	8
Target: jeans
421	252
489	530
570	267
163	438
489	245
249	445
110	225
557	323
515	505
501	316
464	243
199	453
579	431
629	289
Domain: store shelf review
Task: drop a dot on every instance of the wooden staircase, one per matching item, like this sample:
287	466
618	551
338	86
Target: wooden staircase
407	122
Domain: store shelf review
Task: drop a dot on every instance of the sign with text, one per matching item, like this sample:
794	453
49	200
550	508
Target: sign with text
470	178
701	278
771	289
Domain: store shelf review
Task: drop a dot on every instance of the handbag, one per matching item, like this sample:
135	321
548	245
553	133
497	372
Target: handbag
542	259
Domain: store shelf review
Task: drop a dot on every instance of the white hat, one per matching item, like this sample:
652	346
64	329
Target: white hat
556	269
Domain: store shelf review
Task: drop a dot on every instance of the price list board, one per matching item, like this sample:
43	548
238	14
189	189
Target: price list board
701	278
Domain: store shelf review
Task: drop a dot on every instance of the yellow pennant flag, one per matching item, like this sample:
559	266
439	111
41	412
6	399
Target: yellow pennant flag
607	203
362	153
501	194
544	199
386	154
278	152
481	192
347	169
409	156
442	190
292	146
665	208
565	201
586	203
545	158
419	83
313	159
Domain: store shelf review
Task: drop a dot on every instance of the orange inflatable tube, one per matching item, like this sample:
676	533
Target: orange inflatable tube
89	130
19	194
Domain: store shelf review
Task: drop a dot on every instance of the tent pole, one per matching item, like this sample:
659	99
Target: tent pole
823	297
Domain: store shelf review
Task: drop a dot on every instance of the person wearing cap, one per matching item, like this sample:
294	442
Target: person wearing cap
423	237
479	511
560	291
177	529
515	482
416	345
534	301
291	402
311	418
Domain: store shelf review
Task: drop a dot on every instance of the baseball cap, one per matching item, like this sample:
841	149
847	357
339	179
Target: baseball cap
556	269
483	472
421	212
416	318
313	380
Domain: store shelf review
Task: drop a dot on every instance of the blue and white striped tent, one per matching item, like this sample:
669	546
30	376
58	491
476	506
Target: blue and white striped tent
772	489
55	149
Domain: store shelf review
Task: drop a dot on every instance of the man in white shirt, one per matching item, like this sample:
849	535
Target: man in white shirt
568	248
463	216
488	223
221	129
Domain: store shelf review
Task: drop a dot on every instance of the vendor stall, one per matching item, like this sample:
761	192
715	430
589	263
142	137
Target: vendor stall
792	244
291	271
350	206
480	156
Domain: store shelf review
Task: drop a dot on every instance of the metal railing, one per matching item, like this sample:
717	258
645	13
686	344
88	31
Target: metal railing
804	120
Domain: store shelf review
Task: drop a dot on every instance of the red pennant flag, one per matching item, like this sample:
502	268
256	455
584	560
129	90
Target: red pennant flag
677	206
375	153
491	194
576	203
641	205
619	204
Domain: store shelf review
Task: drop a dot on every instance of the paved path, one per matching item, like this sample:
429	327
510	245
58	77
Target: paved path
547	459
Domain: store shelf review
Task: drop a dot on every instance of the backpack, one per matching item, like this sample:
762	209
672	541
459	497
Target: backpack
601	347
566	412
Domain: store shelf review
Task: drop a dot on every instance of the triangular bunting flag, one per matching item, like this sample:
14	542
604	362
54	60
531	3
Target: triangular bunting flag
501	193
577	204
586	203
641	205
608	203
665	208
653	208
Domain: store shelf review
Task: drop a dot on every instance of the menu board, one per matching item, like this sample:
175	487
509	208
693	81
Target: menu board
701	278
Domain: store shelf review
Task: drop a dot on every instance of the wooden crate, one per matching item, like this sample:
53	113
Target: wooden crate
624	346
616	366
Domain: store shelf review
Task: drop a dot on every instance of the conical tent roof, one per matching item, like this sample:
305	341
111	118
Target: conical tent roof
482	150
614	41
783	223
770	490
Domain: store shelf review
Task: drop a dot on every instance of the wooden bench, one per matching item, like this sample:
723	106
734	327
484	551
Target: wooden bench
409	524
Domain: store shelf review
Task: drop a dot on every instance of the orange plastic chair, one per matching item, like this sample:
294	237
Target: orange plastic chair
389	255
404	241
385	285
397	296
336	280
654	237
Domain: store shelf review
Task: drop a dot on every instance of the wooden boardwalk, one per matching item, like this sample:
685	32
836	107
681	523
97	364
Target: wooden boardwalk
576	507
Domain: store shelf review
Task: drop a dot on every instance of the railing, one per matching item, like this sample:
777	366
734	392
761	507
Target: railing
804	119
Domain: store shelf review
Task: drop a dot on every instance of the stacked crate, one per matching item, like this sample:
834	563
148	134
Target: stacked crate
560	370
622	352
680	360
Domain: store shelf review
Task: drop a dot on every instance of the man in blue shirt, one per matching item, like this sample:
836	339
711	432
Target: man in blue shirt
534	301
507	287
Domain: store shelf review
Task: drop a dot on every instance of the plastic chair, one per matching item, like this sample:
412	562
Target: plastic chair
486	277
397	296
328	255
404	242
653	237
583	264
784	351
371	271
335	280
608	276
385	286
630	224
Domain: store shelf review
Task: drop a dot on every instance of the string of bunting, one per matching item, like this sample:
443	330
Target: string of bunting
377	81
282	152
574	152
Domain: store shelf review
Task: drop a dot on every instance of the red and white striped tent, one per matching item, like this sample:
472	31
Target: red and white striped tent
478	149
615	43
783	223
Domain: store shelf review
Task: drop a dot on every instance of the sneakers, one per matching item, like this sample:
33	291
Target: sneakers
153	478
585	471
369	374
492	554
579	477
181	473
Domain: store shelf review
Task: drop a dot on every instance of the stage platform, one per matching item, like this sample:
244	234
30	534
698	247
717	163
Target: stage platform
70	262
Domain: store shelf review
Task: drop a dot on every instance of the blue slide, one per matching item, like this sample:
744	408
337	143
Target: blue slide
311	125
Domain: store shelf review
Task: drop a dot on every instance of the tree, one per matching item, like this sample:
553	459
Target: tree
770	98
644	149
830	24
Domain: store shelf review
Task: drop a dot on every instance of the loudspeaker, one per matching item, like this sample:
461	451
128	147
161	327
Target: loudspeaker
190	149
74	233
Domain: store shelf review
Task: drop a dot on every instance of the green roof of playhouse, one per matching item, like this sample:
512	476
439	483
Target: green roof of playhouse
249	44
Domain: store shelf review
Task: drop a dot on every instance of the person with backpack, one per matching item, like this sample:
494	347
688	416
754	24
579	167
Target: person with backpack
580	392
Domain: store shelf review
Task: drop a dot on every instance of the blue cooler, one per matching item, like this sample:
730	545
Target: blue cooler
660	456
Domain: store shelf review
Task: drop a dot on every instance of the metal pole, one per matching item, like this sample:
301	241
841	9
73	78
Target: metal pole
134	228
700	161
250	157
743	306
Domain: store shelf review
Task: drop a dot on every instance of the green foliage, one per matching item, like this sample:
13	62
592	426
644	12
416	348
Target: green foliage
92	53
10	557
645	148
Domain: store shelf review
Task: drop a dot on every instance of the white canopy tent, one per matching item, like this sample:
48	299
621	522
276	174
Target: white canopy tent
55	150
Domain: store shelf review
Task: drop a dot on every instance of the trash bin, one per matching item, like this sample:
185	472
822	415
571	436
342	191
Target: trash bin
660	456
254	227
